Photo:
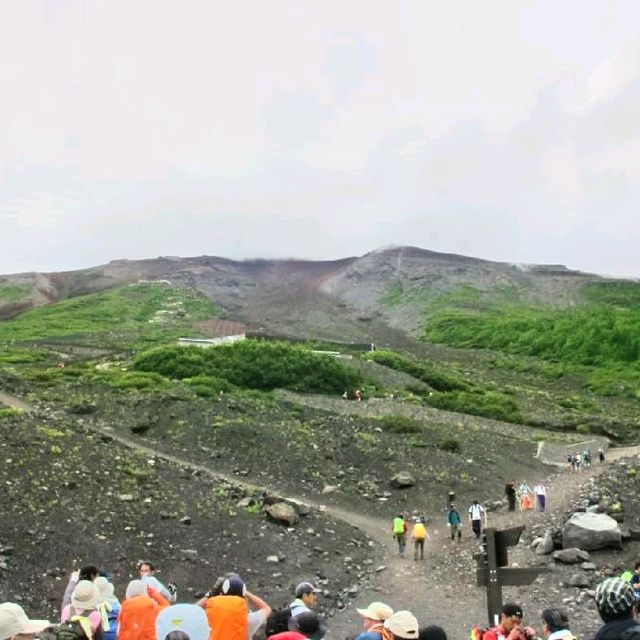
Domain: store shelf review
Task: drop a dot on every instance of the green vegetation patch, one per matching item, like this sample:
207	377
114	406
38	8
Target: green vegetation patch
401	424
490	404
151	310
13	293
253	364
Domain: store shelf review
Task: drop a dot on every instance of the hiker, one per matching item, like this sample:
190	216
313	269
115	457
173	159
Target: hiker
88	572
228	611
432	632
373	618
148	576
635	580
358	395
476	512
510	492
402	624
109	608
540	492
139	610
399	527
84	603
510	625
15	622
306	599
555	625
586	458
454	522
601	455
418	535
523	495
616	602
189	619
306	626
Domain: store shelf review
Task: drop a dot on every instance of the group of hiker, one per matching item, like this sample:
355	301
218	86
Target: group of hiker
582	459
525	496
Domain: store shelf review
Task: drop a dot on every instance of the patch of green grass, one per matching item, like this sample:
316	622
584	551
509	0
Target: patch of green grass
143	313
394	295
22	356
401	424
9	412
488	404
13	293
452	445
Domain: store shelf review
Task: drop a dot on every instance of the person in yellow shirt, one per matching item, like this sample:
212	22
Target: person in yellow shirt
419	534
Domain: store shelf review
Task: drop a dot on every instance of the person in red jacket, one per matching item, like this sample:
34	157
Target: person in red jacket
137	617
510	626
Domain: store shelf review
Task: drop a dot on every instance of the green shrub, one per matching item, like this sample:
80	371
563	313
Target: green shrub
81	406
452	445
400	424
9	412
253	364
490	404
139	380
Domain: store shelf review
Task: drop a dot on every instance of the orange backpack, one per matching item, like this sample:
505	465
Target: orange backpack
228	618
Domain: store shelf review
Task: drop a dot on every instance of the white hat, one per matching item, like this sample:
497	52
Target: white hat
105	590
84	596
136	588
402	624
189	618
14	621
376	611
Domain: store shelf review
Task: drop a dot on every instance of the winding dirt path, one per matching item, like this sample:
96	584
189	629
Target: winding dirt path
439	590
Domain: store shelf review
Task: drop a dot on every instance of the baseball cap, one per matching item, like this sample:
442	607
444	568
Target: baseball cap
402	624
614	596
376	611
305	587
512	609
234	586
14	621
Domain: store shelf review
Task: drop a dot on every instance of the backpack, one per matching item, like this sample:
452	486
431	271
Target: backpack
109	611
419	531
278	621
72	630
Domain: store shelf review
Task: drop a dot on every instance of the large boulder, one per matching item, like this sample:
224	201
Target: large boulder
402	480
591	531
283	513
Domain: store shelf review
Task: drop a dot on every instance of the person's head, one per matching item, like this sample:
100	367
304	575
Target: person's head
85	596
553	620
636	567
475	502
14	622
402	624
452	507
176	635
432	632
306	592
146	569
615	599
233	585
309	625
511	616
88	572
375	613
187	619
136	588
105	590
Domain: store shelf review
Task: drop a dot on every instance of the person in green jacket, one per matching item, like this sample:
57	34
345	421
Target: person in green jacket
399	527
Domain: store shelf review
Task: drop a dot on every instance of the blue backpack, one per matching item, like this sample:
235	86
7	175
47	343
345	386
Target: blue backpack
111	610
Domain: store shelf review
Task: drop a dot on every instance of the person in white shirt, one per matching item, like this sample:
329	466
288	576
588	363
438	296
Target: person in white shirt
476	513
541	496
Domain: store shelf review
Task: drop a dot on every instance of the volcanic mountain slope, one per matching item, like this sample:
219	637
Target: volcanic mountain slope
345	299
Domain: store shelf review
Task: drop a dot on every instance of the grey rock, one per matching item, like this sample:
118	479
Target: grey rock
588	566
579	580
591	531
545	546
245	502
185	520
635	533
402	480
329	488
126	497
273	559
570	556
283	513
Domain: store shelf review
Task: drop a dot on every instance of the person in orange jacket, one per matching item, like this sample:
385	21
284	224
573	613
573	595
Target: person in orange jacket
137	617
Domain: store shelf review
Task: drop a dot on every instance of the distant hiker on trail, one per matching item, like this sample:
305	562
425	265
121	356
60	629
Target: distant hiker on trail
373	618
402	624
476	513
418	535
14	623
88	572
601	455
139	610
345	395
148	576
510	492
454	522
555	625
586	458
524	496
358	395
616	602
540	492
399	528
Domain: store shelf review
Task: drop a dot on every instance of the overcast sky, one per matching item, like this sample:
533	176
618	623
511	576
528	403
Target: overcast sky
319	129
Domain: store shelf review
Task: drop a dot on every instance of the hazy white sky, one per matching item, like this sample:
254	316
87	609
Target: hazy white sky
507	130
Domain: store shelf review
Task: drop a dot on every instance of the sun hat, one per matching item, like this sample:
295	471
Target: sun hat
188	618
305	587
376	611
14	621
136	588
105	590
615	596
402	624
84	596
